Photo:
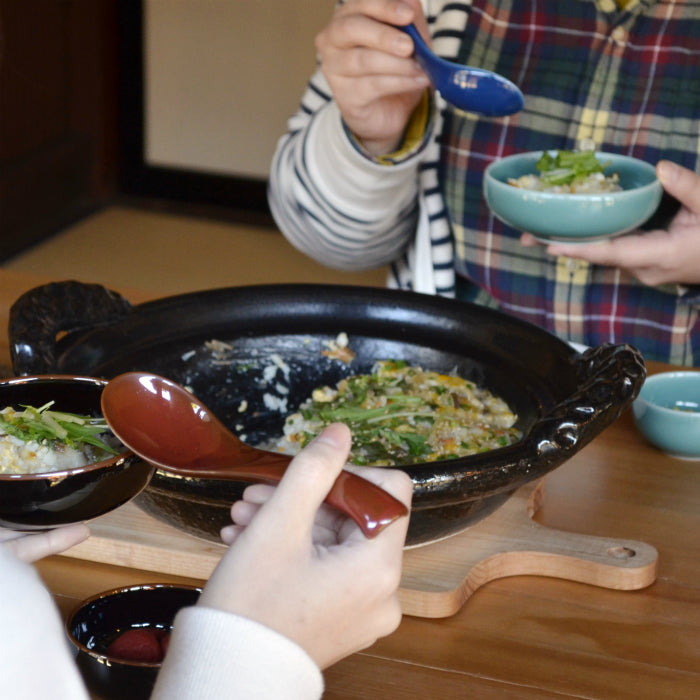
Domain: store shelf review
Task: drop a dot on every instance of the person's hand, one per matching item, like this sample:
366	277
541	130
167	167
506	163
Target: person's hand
303	568
369	66
30	547
653	257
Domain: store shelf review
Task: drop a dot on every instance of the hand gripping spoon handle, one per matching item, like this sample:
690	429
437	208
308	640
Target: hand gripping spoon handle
167	426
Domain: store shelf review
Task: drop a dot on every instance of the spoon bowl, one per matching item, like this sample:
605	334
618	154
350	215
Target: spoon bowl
465	87
167	426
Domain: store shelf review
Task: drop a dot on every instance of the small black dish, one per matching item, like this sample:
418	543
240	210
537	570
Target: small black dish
97	621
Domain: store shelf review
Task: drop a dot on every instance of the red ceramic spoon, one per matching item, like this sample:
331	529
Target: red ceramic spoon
167	426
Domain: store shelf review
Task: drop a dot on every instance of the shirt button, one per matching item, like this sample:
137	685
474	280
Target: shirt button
574	265
619	36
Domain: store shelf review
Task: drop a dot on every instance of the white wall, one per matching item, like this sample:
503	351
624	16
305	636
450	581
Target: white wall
222	77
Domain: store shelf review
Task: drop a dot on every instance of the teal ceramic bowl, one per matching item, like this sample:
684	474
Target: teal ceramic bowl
573	218
667	412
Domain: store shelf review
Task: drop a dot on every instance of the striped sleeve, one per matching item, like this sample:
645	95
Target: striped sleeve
333	203
349	212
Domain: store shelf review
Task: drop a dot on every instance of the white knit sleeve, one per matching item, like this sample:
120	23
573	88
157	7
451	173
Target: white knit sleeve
35	658
215	654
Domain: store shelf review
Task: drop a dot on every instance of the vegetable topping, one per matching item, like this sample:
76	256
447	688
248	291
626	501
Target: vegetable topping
400	414
573	172
40	424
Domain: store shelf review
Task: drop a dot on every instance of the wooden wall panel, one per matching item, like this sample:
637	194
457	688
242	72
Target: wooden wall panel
58	115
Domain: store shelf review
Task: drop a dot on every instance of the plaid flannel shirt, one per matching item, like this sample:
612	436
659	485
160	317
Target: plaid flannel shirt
628	79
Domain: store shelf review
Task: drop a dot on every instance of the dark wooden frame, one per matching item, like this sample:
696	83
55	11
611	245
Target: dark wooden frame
231	196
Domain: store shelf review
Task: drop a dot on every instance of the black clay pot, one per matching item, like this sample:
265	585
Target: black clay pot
563	398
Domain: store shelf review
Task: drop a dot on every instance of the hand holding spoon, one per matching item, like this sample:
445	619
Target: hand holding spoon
467	88
167	426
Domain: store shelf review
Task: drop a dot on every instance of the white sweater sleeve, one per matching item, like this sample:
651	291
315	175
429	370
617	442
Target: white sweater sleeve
330	201
215	654
35	658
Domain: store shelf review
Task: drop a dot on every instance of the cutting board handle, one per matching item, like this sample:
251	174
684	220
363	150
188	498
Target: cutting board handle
439	578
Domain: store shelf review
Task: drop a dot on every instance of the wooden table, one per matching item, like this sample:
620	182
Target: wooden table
525	636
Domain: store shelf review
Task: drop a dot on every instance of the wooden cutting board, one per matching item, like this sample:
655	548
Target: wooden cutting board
437	578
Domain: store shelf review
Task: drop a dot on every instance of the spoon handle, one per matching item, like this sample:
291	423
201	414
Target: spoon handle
421	51
369	505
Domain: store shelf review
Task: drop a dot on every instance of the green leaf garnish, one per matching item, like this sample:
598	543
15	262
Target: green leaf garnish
42	424
568	166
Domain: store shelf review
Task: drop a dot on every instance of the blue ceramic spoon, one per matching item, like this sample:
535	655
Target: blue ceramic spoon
469	89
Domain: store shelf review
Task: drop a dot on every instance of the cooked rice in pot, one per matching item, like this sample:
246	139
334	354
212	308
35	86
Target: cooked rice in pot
401	414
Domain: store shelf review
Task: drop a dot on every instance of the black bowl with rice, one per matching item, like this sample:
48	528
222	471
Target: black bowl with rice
45	484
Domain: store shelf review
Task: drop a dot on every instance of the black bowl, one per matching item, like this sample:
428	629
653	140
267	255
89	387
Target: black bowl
44	501
97	621
563	398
